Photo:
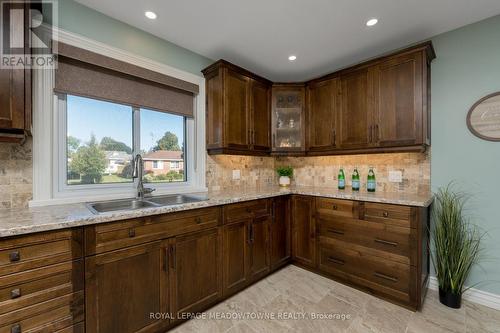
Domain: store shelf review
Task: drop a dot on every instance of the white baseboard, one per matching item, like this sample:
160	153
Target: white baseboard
474	295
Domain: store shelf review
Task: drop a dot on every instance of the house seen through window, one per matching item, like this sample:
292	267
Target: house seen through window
103	138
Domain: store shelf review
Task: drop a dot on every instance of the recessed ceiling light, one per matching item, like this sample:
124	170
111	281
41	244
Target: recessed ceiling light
371	22
292	58
150	15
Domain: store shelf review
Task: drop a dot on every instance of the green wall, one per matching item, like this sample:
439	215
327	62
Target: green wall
467	68
87	22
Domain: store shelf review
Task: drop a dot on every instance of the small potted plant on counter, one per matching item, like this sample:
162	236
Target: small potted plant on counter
456	245
285	172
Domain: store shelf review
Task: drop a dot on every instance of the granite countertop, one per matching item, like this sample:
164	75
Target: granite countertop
29	220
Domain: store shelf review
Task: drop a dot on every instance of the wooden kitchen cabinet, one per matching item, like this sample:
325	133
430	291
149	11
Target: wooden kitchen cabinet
246	248
280	232
236	256
124	287
237	108
400	110
303	230
323	100
356	110
259	247
195	271
288	119
15	91
260	116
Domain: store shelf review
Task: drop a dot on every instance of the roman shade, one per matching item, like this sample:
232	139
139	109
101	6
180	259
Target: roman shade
88	74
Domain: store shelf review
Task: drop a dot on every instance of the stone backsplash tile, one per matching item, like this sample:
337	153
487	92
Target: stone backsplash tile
16	174
322	171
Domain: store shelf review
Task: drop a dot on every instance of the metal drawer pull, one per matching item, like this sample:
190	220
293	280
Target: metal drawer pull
14	256
131	232
381	241
15	328
386	277
15	293
336	261
385	214
335	231
198	220
335	207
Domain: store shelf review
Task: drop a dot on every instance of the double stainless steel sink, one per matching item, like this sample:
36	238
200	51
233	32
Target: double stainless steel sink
132	204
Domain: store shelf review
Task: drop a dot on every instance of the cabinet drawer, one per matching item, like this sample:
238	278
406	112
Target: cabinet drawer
49	316
336	207
117	235
23	253
245	210
388	241
354	264
39	285
388	214
77	328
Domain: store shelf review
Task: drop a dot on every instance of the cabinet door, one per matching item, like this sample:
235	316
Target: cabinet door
280	232
237	129
399	101
303	230
122	289
261	116
259	247
236	256
322	115
195	271
15	84
355	115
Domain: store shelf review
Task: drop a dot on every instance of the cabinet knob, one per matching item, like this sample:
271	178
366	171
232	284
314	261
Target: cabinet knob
385	214
335	207
15	256
198	220
15	293
131	232
15	328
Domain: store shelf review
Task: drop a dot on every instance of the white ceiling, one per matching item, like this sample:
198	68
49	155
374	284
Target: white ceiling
324	34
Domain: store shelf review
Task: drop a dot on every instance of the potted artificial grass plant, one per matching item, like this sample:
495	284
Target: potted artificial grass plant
456	245
285	172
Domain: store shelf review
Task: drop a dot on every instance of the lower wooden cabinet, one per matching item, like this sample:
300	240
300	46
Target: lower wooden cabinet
195	271
280	243
259	248
125	287
236	237
303	230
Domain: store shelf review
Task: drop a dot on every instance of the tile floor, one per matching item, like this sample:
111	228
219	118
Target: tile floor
293	291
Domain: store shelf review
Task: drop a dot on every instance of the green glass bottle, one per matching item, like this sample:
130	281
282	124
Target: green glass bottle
355	180
371	184
341	179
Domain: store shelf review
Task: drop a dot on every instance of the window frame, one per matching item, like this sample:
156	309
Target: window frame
45	129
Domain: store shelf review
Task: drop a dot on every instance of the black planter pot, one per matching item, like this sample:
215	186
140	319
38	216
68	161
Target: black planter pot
449	299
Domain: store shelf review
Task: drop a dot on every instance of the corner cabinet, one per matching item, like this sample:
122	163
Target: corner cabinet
237	111
288	120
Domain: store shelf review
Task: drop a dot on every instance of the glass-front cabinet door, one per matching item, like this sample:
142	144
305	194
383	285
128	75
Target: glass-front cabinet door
288	126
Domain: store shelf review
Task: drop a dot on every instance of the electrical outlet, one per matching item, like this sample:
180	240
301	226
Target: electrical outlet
236	174
396	176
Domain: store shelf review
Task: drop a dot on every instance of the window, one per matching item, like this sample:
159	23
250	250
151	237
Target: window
103	137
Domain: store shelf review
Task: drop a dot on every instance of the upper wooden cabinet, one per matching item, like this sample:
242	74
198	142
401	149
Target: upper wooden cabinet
288	119
382	105
400	109
238	111
15	93
323	100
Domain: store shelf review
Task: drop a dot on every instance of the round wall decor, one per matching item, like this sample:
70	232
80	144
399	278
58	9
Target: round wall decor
483	119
